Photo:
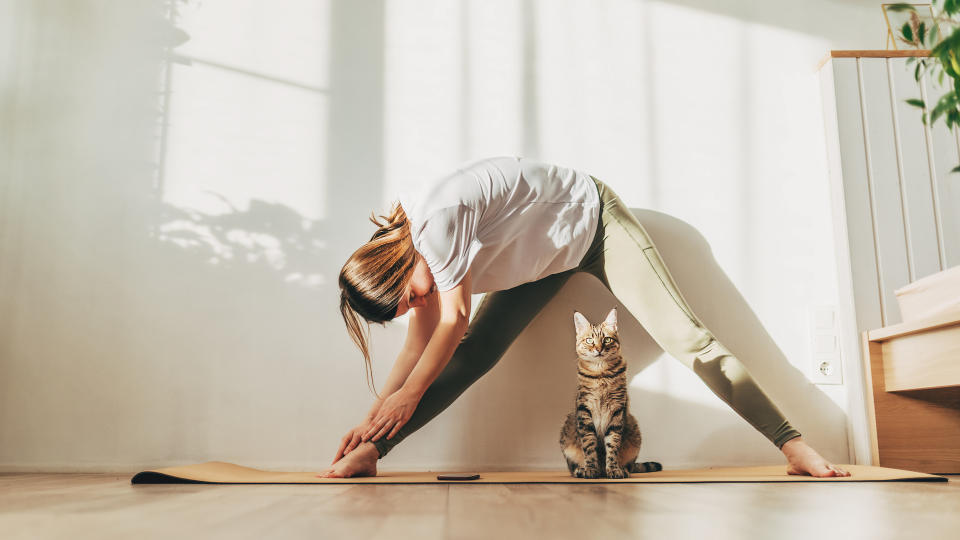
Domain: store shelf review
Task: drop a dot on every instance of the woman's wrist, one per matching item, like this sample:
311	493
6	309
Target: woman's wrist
412	389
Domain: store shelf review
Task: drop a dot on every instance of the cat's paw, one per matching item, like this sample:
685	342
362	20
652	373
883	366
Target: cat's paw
587	472
617	472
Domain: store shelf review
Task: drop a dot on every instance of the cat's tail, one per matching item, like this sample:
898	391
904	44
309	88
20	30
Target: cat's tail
646	466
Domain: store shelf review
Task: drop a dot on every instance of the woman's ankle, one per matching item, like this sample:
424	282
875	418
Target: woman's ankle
380	448
794	446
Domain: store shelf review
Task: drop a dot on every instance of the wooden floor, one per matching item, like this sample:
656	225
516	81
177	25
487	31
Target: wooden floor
37	506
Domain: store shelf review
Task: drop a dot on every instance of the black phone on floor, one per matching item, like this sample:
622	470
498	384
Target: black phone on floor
458	476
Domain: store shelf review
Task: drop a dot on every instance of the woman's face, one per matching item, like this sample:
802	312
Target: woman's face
420	288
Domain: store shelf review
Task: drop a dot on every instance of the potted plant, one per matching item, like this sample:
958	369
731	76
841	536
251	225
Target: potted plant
942	37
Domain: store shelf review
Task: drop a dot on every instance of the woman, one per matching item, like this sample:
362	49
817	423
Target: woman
516	229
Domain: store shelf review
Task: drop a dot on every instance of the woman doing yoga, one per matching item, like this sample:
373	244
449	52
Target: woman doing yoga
516	229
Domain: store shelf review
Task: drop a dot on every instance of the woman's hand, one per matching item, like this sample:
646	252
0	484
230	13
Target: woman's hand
393	414
353	438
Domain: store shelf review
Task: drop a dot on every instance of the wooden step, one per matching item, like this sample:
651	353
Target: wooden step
921	354
912	373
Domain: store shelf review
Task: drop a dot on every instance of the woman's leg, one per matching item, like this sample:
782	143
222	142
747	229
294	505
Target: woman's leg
630	266
500	318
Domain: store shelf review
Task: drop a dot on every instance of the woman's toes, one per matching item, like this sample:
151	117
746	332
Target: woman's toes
822	470
329	473
838	471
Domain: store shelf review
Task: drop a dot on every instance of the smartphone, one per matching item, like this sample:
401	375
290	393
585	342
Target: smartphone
458	476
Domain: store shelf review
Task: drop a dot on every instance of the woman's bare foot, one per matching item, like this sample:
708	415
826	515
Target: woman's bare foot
361	461
802	459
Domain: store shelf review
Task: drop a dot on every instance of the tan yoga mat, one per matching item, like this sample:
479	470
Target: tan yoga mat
218	472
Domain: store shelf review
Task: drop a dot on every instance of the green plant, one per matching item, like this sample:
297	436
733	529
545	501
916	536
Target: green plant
943	62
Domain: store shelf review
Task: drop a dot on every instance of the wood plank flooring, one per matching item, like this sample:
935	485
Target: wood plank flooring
102	506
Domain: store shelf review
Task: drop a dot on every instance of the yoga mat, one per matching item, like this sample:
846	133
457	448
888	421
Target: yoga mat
218	472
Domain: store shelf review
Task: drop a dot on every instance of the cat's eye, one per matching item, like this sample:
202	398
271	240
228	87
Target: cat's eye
589	341
607	340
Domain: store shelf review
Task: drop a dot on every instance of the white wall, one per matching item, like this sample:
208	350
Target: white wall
172	225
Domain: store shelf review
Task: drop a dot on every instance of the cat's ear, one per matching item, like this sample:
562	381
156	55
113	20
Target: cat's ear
580	322
611	319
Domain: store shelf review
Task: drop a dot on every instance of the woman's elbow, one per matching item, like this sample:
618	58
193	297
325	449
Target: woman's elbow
458	322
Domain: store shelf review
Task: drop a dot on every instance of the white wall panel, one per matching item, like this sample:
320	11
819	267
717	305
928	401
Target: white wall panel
855	192
883	184
919	220
943	158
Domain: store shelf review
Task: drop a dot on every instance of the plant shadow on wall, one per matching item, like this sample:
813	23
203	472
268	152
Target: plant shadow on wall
266	237
246	292
234	325
232	305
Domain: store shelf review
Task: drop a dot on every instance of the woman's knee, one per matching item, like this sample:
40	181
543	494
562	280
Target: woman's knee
685	342
475	356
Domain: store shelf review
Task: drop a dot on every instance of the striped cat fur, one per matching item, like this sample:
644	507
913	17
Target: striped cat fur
600	438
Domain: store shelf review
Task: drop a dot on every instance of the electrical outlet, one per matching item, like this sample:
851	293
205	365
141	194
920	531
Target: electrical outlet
826	363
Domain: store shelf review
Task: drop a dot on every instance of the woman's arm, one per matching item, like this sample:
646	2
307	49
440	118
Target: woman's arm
454	316
423	322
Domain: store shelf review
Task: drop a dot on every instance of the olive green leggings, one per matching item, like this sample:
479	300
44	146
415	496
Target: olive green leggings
624	259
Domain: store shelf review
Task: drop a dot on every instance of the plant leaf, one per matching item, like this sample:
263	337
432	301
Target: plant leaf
921	32
916	102
950	6
953	117
947	101
907	32
951	41
900	7
955	169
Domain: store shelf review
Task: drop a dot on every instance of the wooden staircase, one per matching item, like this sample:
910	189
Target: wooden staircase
912	373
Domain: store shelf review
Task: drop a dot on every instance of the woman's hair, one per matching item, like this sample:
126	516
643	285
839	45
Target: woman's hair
373	279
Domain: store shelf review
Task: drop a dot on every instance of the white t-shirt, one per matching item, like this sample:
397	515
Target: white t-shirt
511	220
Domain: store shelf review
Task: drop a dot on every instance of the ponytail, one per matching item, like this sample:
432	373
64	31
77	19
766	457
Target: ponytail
373	279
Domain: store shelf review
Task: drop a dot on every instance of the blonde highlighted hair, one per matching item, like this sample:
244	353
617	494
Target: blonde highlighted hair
373	279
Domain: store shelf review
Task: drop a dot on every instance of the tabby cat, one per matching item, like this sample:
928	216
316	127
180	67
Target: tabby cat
600	438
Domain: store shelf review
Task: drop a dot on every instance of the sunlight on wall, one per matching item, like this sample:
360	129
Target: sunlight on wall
726	168
423	87
248	103
451	87
668	373
493	50
593	87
